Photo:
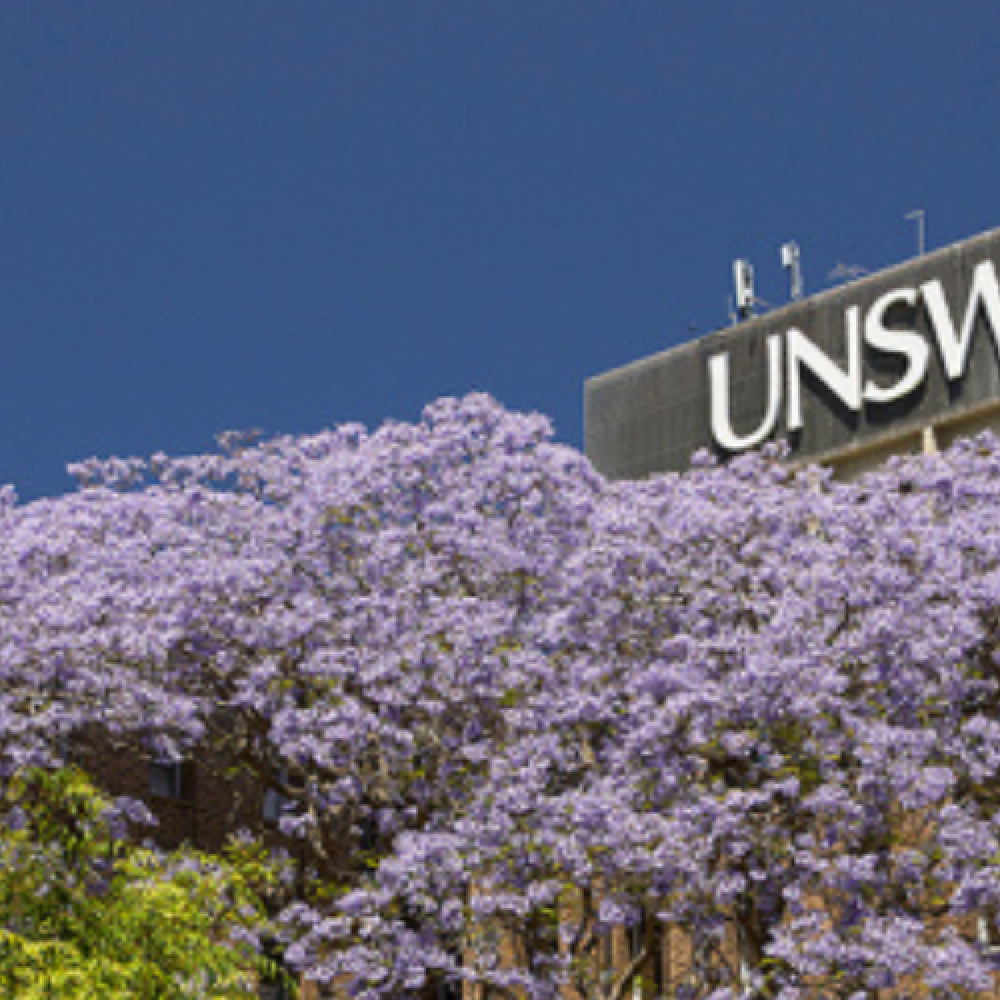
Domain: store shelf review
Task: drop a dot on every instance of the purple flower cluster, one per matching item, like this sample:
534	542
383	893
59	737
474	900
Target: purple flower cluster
511	706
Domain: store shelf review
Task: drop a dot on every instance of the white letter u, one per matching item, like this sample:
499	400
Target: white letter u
722	426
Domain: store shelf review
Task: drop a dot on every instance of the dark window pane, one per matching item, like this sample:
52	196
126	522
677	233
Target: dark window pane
165	780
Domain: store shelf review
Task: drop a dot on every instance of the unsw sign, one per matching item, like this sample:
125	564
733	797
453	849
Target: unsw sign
791	353
846	372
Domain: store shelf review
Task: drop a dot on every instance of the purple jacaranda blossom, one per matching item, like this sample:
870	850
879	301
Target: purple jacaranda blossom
511	707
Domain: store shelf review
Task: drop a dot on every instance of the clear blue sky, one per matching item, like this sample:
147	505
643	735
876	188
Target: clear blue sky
221	214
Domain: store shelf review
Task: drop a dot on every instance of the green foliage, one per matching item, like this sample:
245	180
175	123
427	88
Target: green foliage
83	916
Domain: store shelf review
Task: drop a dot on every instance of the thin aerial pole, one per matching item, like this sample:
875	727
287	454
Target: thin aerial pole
919	216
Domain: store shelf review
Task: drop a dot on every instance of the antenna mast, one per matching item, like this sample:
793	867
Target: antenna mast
791	261
919	216
743	280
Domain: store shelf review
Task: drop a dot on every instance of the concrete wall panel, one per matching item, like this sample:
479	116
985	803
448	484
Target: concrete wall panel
652	415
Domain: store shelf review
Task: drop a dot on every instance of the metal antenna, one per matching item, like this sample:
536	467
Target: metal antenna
846	272
743	285
791	261
919	216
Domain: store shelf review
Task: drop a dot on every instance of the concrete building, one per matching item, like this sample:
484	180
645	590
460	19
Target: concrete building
899	361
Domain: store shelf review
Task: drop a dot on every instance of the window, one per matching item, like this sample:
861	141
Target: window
637	936
277	982
645	934
62	751
274	988
450	990
274	803
368	837
169	779
170	776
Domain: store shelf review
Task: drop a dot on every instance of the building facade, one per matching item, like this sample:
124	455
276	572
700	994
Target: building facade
900	361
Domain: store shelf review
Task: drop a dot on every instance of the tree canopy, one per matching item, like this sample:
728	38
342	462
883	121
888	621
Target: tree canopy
511	706
86	916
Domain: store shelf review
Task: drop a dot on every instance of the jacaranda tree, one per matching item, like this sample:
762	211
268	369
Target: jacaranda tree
513	708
